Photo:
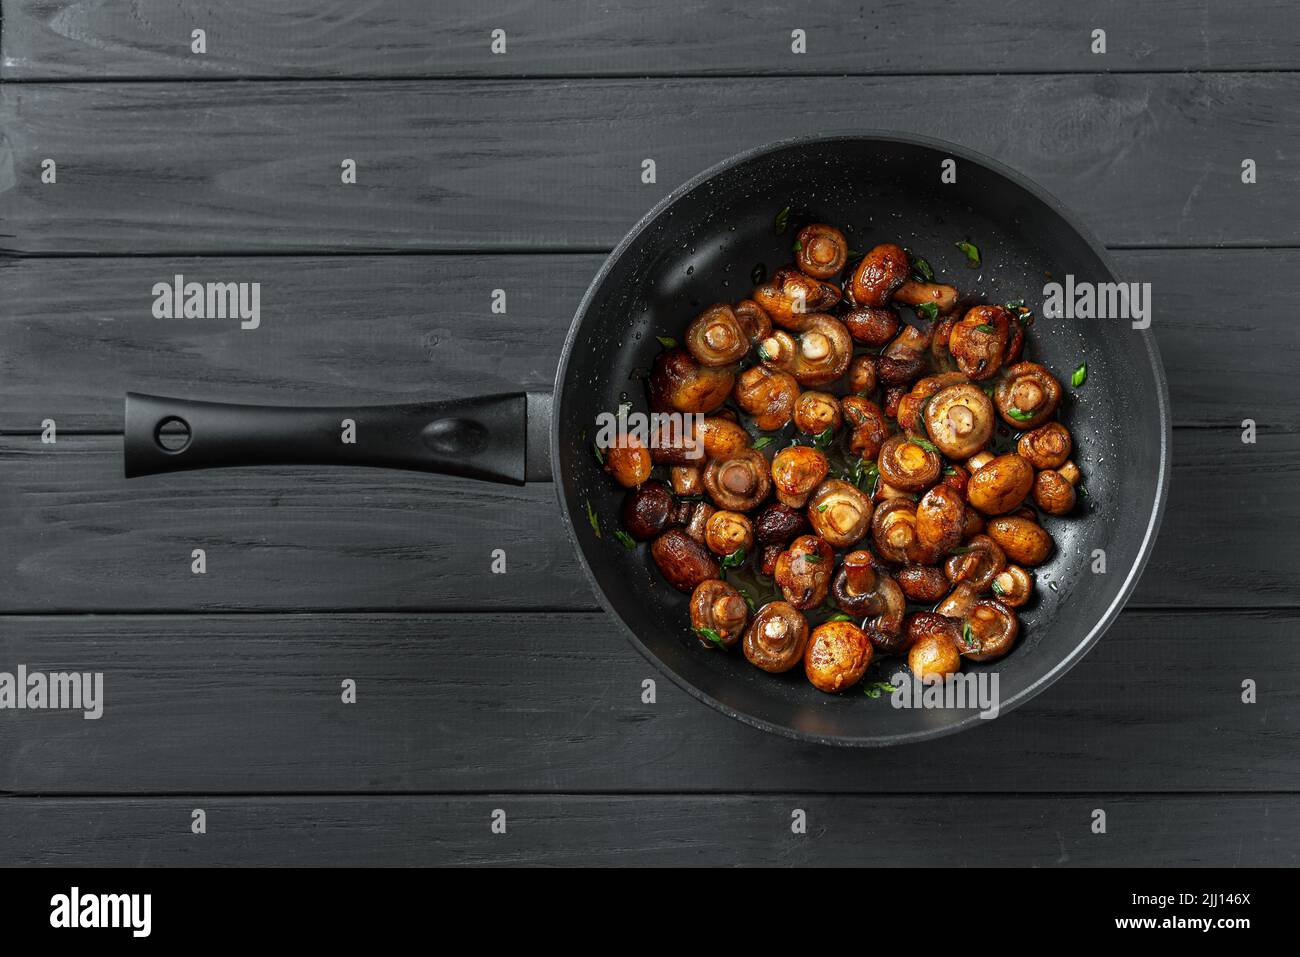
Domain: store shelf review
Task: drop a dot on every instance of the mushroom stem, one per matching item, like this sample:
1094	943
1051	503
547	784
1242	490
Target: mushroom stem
859	574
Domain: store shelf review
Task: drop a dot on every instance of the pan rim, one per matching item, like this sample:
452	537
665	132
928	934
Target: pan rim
1094	634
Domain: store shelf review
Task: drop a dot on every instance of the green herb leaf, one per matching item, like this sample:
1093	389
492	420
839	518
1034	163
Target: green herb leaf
998	589
763	441
734	560
824	438
949	470
811	558
927	310
782	221
923	443
823	506
1083	490
839	616
1080	376
600	454
854	254
758	274
668	342
985	327
1020	416
960	550
592	517
968	637
748	599
708	634
628	541
921	271
877	688
972	252
797	247
763	354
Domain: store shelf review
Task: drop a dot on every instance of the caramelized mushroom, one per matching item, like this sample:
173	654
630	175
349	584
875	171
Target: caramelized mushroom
863	590
1013	586
933	654
988	631
725	533
820	355
752	318
647	510
913	404
959	420
912	293
958	602
925	624
979	340
716	337
777	524
815	412
871	326
776	638
1054	492
881	272
738	483
821	251
939	351
1000	486
837	656
862	375
893	396
977	564
893	529
940	518
796	471
723	438
1046	447
899	370
922	583
628	461
1022	539
768	395
803	571
697	519
791	296
905	463
868	425
718	614
687	480
682	560
680	384
839	513
1027	395
910	341
767	559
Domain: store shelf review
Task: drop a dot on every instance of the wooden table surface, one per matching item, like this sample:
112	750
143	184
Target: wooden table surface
480	170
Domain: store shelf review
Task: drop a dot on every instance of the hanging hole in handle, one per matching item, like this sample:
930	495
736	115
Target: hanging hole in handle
172	434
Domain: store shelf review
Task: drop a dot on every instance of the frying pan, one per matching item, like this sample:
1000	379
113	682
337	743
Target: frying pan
699	246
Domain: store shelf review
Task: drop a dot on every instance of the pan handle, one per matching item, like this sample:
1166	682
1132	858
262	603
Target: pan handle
495	438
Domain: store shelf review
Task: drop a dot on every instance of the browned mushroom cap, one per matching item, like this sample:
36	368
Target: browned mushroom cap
979	341
976	564
803	571
1022	539
867	423
1053	492
725	533
768	395
910	341
974	524
959	601
796	471
821	251
815	412
756	323
893	529
862	375
839	513
988	630
912	405
647	510
1046	447
777	524
956	477
920	293
775	640
716	337
682	560
1027	395
940	518
894	395
718	614
628	460
738	483
923	583
933	654
881	272
681	440
687	479
680	384
923	624
790	297
767	559
837	656
872	326
1000	486
899	370
1013	586
723	438
959	420
820	355
939	351
696	519
907	464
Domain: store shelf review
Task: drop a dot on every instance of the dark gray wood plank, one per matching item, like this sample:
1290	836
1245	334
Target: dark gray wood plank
545	703
76	536
504	164
81	39
78	333
660	830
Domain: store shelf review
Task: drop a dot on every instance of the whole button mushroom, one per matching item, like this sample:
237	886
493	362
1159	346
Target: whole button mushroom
682	560
628	461
796	471
839	513
725	533
816	412
912	405
680	384
767	394
718	614
821	251
777	524
959	420
932	653
739	483
988	630
922	583
756	323
870	325
941	296
1013	586
1027	395
867	423
979	341
909	463
1046	447
1001	486
1054	489
803	571
1021	539
820	355
977	564
687	479
792	296
864	590
837	656
775	640
940	518
862	375
647	510
882	270
716	337
893	529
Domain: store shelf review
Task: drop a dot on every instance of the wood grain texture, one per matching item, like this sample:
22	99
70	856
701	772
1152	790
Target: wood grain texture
95	39
662	830
503	164
78	333
76	536
547	703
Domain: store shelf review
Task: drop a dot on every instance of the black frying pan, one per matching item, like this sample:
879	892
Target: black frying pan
699	246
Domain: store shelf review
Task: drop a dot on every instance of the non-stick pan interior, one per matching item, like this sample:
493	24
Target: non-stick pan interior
701	247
